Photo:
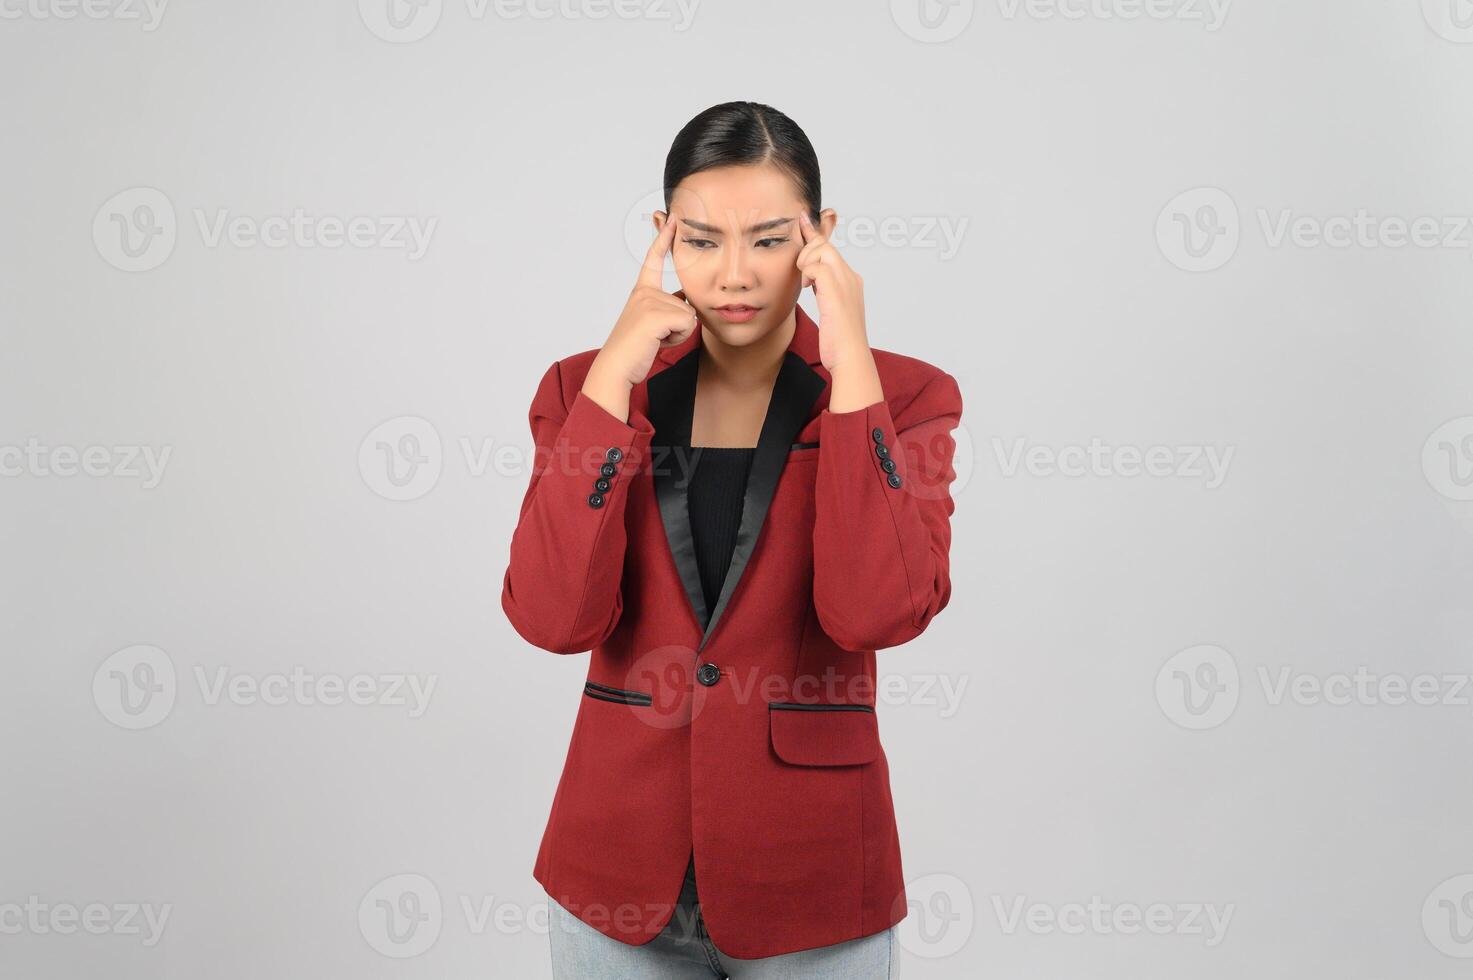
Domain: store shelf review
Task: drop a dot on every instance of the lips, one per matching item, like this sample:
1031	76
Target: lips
736	312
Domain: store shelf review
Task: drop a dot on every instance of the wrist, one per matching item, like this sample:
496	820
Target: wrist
606	388
856	382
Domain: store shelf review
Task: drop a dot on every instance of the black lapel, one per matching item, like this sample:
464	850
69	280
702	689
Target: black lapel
793	395
672	403
671	408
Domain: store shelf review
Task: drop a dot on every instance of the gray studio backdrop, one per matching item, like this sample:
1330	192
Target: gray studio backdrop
279	280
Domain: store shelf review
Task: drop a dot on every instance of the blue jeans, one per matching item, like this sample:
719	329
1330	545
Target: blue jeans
683	951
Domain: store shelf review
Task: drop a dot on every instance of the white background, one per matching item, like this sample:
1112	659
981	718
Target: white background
1119	174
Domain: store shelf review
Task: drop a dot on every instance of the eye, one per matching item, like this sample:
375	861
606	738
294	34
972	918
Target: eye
700	243
763	242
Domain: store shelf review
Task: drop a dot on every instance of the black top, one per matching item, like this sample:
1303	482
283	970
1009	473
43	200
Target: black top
715	501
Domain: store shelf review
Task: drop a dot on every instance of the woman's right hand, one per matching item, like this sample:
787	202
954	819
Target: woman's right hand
652	319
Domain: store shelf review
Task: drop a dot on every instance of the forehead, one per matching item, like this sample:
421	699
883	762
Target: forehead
737	195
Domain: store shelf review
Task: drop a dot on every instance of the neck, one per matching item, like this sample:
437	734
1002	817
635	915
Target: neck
752	365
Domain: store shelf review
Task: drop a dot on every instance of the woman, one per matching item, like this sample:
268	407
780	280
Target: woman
733	509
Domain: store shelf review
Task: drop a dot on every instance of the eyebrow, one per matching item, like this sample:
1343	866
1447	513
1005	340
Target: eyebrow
761	226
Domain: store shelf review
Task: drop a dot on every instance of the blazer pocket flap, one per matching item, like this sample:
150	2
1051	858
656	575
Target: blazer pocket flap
824	734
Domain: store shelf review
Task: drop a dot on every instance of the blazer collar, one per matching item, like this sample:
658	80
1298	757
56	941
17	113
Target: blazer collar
671	392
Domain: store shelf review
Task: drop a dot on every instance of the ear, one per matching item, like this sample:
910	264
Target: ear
659	218
827	218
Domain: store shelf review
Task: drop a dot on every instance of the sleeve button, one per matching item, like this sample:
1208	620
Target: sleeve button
614	454
888	465
595	500
882	451
608	469
878	434
602	485
894	480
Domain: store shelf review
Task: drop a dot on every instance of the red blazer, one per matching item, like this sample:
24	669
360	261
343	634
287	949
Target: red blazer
746	734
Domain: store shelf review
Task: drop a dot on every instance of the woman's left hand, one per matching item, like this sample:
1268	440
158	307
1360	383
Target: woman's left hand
840	293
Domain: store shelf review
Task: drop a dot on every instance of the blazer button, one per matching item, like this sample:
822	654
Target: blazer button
595	500
888	465
608	469
614	454
601	485
709	674
882	451
894	480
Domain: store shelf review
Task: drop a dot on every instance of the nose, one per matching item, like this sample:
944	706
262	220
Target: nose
737	274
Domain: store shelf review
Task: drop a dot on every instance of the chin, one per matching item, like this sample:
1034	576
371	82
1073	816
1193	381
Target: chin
740	334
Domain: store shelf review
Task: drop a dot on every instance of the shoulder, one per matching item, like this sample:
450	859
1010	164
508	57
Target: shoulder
561	382
915	390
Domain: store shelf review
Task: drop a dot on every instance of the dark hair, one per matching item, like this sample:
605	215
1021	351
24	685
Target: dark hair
743	133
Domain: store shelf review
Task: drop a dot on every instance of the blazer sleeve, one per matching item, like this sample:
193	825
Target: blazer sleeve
881	553
561	590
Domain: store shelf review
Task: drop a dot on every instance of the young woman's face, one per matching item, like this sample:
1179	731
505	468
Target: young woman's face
736	248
